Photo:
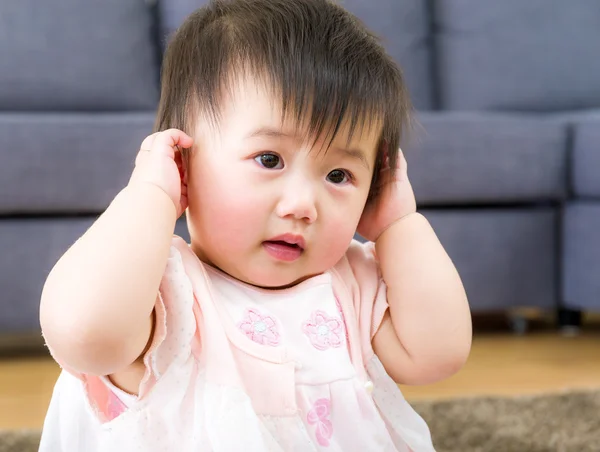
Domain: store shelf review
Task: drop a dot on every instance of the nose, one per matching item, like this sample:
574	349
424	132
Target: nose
298	201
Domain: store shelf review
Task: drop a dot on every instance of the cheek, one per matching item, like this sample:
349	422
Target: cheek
222	209
339	229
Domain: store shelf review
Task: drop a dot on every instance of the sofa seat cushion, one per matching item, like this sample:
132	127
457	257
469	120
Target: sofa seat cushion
581	255
585	166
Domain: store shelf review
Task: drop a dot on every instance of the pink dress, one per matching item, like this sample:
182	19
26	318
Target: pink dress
233	367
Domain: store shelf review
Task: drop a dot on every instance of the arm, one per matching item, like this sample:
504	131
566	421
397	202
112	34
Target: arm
427	335
98	299
97	303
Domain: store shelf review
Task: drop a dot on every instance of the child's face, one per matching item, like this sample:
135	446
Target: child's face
253	184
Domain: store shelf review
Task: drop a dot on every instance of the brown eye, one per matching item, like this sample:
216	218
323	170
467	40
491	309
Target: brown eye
338	177
269	161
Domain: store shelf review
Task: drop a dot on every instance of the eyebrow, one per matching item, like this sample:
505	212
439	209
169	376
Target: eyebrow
270	132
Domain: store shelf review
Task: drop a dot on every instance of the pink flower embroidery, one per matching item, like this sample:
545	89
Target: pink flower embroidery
323	331
260	328
319	415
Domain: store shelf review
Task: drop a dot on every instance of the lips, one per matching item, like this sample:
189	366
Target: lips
286	247
289	239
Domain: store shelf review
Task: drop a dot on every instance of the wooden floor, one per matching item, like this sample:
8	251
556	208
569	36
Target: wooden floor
499	364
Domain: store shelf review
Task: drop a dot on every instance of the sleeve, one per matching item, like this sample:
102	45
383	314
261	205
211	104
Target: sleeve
174	339
175	335
361	274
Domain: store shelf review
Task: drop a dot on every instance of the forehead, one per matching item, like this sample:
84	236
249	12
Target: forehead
250	108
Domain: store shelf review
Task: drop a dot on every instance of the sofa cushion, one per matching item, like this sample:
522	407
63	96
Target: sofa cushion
173	12
518	54
62	163
581	256
29	248
507	258
586	156
77	55
404	27
470	158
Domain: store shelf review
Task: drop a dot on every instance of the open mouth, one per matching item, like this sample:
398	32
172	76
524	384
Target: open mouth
288	248
283	243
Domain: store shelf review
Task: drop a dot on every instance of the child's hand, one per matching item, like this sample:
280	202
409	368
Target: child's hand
394	201
160	162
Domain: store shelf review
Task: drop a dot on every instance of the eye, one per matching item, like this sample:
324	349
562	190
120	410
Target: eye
269	161
339	177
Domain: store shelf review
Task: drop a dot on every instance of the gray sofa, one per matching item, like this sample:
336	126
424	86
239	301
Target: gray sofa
504	163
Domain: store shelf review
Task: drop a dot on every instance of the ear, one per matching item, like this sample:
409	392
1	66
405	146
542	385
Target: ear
182	161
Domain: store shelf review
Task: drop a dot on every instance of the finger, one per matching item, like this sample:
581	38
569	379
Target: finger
148	141
145	147
171	138
402	167
141	155
401	163
399	170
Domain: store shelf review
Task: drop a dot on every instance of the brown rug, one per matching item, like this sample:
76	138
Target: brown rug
567	422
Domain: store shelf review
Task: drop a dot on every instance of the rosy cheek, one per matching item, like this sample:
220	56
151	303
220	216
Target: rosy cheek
237	209
228	211
337	235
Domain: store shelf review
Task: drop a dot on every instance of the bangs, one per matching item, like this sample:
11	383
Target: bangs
314	111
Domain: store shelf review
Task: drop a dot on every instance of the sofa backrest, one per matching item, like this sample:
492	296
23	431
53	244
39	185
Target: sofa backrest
528	55
403	26
173	12
77	55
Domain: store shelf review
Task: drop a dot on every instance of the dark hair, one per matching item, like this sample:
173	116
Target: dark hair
318	58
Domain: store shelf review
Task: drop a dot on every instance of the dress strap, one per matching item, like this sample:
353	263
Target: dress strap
345	300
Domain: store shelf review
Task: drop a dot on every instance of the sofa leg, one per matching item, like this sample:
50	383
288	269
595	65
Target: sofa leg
520	318
569	321
519	324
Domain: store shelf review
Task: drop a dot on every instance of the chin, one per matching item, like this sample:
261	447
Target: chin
266	277
273	283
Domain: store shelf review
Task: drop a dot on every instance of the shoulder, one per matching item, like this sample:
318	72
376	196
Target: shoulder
359	262
182	263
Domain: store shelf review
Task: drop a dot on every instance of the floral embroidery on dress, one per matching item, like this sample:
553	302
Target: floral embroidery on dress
260	328
319	415
324	331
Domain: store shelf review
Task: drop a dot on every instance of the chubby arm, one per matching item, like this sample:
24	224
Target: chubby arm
426	336
96	308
